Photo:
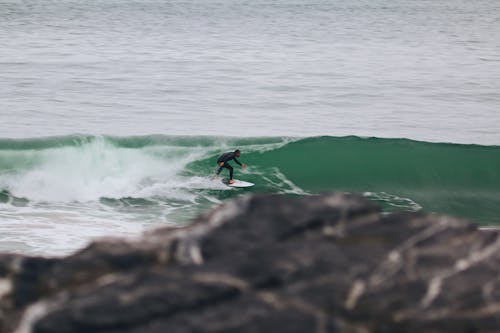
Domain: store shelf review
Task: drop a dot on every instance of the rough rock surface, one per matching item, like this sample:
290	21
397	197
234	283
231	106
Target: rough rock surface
329	263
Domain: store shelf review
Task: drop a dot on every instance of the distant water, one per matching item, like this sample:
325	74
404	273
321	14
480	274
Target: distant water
420	69
112	111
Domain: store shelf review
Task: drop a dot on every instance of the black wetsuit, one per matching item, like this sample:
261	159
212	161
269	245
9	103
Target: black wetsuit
226	158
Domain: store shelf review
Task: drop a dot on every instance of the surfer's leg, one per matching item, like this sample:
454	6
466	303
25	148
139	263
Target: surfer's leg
230	171
218	171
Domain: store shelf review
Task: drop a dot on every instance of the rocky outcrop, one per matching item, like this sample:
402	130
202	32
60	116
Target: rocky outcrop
329	263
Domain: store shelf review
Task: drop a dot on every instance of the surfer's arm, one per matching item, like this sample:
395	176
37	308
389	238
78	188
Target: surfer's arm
243	165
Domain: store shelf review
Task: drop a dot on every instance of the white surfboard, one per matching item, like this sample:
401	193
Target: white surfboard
238	183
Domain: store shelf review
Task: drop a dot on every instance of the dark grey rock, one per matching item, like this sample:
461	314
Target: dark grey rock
329	263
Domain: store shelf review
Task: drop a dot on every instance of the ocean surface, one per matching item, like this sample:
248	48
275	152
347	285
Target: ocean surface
113	112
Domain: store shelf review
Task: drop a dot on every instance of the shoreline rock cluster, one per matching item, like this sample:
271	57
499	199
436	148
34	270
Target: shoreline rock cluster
268	263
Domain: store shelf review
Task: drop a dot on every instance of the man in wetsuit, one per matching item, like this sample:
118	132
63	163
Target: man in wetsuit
223	160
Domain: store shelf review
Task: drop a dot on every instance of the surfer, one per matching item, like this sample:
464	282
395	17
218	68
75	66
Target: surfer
223	160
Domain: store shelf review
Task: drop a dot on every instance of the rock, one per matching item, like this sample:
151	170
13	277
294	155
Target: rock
328	263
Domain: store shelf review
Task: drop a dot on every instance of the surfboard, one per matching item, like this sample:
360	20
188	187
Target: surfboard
237	183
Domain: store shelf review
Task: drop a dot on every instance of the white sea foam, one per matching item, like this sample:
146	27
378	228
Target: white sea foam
65	187
93	171
394	201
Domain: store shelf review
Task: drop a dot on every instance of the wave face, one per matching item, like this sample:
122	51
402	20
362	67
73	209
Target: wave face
462	180
56	193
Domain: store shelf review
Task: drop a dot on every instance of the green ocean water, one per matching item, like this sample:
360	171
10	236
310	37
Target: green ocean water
401	174
461	180
155	178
